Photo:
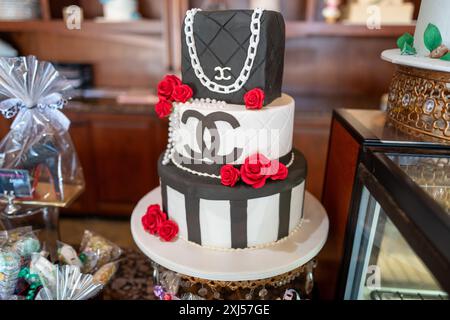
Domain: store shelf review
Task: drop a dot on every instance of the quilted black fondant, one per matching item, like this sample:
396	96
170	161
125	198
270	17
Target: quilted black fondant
222	40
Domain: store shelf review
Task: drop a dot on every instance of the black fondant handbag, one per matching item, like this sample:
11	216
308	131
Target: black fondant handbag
227	53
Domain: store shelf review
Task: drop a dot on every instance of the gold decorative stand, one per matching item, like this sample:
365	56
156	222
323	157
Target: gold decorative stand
300	279
419	101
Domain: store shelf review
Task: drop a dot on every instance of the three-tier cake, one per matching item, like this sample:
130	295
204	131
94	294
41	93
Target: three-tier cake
230	177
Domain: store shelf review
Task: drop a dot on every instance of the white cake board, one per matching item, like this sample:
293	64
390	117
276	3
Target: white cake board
395	56
237	265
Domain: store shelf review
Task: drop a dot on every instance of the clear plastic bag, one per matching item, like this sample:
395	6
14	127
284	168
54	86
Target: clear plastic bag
38	141
67	255
9	271
96	251
106	272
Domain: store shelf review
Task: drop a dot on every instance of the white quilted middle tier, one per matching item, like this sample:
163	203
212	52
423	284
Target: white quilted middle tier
215	132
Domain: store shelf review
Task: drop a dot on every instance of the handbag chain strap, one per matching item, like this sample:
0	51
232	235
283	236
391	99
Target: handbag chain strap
255	27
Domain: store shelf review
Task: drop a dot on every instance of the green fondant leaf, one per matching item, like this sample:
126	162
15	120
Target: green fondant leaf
432	37
405	38
408	50
446	57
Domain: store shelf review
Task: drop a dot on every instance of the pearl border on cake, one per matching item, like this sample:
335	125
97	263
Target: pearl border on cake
256	247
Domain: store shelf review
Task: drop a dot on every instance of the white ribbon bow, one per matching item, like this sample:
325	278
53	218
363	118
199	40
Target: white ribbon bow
49	106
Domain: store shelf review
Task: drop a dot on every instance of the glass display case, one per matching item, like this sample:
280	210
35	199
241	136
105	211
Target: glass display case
398	234
362	144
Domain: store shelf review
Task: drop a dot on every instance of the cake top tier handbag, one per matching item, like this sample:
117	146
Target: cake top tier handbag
228	53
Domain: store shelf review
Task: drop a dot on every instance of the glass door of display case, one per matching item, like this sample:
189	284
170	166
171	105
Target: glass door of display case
398	238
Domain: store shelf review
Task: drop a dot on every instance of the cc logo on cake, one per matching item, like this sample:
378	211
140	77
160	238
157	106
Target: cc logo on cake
208	122
221	75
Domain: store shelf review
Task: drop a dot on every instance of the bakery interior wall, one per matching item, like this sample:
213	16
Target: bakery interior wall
327	66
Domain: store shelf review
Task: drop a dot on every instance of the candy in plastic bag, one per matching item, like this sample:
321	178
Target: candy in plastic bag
106	272
26	245
38	141
3	238
13	235
44	269
9	273
96	251
68	255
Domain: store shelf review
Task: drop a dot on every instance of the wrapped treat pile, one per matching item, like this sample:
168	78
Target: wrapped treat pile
38	141
27	274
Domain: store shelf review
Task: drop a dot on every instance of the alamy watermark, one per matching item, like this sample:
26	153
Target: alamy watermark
373	277
73	17
373	21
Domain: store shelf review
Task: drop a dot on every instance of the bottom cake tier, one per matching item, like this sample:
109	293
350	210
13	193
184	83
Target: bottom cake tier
221	217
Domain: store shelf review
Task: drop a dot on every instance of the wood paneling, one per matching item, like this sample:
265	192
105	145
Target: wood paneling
45	9
340	175
115	64
126	151
80	134
311	132
337	66
120	154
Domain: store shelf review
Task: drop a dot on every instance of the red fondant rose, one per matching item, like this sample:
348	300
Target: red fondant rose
167	85
168	230
229	175
153	219
281	172
182	93
254	99
255	170
163	108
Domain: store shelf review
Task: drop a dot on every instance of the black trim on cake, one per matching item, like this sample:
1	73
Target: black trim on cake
164	198
193	218
195	165
238	218
284	214
194	188
212	189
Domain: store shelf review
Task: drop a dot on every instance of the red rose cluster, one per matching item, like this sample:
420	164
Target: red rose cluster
155	222
255	171
171	89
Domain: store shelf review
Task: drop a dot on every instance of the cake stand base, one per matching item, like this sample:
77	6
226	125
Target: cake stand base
234	265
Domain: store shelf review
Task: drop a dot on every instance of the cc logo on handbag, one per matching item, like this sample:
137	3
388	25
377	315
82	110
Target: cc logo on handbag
209	122
221	75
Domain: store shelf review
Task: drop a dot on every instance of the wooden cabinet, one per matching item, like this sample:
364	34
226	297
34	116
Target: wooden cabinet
80	134
311	132
119	154
126	151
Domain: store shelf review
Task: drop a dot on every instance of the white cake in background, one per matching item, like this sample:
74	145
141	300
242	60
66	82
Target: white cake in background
120	10
436	12
390	12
